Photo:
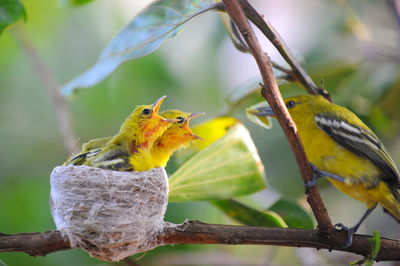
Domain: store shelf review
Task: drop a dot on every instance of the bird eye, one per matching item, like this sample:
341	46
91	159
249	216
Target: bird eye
181	119
290	104
146	111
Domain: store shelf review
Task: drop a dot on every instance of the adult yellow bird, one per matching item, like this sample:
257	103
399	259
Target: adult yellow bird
136	136
343	149
176	136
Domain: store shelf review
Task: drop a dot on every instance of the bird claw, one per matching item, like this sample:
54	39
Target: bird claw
349	231
316	176
311	183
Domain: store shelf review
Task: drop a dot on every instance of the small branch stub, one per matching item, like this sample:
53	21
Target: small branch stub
109	214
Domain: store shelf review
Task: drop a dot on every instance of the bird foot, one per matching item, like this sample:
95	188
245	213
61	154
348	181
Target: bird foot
316	175
349	231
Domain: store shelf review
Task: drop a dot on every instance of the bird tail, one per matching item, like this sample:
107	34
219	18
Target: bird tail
391	203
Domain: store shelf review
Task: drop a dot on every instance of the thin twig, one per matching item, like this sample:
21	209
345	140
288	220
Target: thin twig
50	84
194	232
240	44
273	36
394	5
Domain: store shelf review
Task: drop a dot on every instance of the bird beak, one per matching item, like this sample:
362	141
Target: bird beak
261	111
186	125
157	104
260	114
156	108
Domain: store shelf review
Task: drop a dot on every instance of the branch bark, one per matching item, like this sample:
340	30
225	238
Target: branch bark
273	96
194	232
35	244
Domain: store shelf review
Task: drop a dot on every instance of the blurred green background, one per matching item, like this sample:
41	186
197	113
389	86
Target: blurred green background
353	46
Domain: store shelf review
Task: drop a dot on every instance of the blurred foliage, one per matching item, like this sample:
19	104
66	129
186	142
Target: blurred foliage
248	216
292	214
354	49
214	173
77	2
10	12
283	213
154	25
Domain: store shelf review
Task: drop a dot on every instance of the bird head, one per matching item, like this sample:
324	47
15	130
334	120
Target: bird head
299	107
178	133
144	125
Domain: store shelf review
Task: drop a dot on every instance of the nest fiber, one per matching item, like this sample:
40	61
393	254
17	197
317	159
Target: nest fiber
109	214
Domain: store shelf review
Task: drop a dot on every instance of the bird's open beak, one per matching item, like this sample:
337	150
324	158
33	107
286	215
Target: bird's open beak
186	125
156	108
260	114
157	104
261	111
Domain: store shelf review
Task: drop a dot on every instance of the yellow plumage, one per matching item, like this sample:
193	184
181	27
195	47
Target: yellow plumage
338	142
95	144
157	152
136	136
176	136
365	180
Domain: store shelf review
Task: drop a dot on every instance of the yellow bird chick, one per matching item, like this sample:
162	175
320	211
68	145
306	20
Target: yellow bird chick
95	144
341	147
176	136
136	136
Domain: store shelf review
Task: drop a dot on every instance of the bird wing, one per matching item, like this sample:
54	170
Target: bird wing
81	158
360	141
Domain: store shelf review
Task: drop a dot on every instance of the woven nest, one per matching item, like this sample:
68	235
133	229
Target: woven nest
109	214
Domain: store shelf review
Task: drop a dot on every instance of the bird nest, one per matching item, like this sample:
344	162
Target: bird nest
109	214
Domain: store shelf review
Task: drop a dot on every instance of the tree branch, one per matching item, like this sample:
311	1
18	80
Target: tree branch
194	232
51	86
273	36
35	244
273	96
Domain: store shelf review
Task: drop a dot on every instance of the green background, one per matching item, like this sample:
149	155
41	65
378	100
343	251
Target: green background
354	49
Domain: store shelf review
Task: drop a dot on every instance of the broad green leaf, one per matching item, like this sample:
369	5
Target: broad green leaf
10	12
294	215
157	23
227	168
210	130
249	216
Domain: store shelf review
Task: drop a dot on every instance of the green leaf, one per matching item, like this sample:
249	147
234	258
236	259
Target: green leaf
10	12
77	2
157	23
375	242
227	168
210	130
294	215
249	216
